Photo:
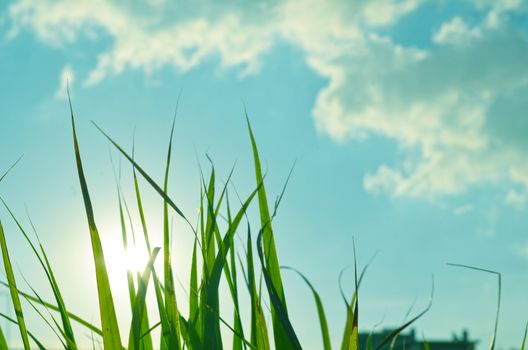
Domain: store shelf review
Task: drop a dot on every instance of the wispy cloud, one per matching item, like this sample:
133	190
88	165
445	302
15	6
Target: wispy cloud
67	77
458	103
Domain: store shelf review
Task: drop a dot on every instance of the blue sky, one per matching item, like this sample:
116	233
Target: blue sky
406	120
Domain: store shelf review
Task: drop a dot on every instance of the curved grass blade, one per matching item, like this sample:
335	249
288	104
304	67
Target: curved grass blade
13	290
111	336
320	310
398	330
493	338
291	340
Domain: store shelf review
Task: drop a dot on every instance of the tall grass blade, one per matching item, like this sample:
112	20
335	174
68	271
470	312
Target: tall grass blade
13	290
111	336
169	291
271	259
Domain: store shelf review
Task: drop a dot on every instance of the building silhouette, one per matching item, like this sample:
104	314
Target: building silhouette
409	341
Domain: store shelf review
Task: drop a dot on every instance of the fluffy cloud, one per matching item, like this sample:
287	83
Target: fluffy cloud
456	109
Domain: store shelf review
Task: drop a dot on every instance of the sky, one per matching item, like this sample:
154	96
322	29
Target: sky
406	121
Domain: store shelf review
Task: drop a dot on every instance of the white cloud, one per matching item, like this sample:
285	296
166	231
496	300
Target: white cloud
458	105
456	32
67	77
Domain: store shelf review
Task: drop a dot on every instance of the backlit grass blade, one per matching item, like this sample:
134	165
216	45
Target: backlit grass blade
169	291
2	177
165	327
136	329
47	321
291	340
48	305
146	341
400	329
351	314
111	336
13	290
212	285
270	252
350	338
46	266
259	331
320	310
499	277
151	182
237	342
3	341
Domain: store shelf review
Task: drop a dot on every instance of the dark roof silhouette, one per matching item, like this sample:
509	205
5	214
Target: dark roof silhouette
409	341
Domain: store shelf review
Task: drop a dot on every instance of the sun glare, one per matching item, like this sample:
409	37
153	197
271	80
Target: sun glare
119	260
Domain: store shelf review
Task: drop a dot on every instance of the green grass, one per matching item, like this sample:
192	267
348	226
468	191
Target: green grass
215	258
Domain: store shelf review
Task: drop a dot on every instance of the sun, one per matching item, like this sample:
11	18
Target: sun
120	260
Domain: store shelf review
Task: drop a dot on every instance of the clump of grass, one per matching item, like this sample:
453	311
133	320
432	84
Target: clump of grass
214	259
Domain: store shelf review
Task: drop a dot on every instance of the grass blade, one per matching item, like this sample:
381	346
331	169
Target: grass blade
48	305
13	290
271	259
10	168
493	338
320	310
400	329
291	340
46	266
111	336
136	329
39	344
169	291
